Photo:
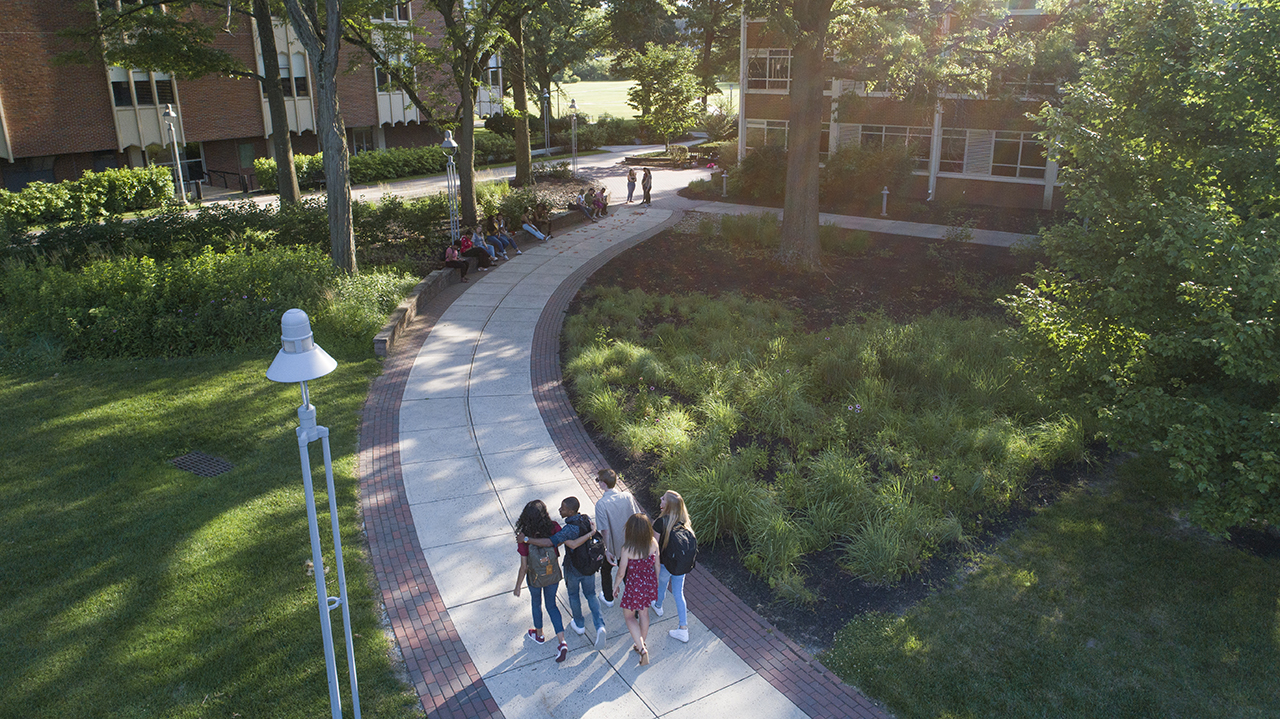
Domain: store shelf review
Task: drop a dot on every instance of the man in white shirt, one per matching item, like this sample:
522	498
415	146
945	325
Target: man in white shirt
612	512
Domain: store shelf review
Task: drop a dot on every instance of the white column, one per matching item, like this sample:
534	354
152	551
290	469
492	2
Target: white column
742	87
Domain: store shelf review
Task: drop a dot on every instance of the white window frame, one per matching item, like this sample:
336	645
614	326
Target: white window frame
773	80
910	137
1026	166
771	128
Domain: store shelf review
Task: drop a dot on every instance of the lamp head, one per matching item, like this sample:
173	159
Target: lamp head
573	106
300	359
169	114
450	145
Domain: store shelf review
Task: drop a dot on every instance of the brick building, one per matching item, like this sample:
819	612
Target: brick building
58	120
968	149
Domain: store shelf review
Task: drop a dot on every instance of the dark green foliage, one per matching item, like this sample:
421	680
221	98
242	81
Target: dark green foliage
761	175
856	175
501	124
94	195
619	131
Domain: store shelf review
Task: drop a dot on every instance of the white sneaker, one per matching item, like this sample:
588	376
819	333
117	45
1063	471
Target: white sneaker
604	601
681	634
579	629
600	637
656	609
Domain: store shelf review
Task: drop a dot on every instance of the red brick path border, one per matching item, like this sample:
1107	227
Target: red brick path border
440	669
790	669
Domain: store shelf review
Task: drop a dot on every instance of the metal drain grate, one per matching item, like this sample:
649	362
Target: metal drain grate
202	465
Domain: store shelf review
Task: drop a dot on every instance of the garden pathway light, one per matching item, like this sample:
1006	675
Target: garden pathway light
450	147
169	117
301	360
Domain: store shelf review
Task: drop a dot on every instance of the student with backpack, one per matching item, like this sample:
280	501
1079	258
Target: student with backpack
678	554
612	512
583	559
540	567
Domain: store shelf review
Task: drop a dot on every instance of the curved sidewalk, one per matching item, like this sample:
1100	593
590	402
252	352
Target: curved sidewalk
468	422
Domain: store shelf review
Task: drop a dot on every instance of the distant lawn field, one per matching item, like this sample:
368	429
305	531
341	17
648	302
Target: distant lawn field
609	96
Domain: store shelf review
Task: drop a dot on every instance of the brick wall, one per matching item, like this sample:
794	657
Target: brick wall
51	109
222	108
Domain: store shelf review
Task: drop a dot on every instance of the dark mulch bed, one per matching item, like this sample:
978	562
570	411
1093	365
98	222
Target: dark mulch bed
1003	219
898	276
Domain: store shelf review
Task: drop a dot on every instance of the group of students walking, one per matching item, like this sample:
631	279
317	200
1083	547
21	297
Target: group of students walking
648	557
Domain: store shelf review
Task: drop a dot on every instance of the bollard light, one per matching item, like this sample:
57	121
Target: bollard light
884	202
301	360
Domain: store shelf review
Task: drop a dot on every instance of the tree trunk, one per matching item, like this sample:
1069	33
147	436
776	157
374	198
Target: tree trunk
466	158
800	210
708	38
520	96
286	173
330	130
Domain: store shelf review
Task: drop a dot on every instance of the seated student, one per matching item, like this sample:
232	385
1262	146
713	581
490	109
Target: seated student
453	258
482	252
582	205
529	222
496	235
602	202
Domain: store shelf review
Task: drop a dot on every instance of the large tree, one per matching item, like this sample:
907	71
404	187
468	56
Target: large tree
562	33
713	25
321	35
665	88
1158	311
178	37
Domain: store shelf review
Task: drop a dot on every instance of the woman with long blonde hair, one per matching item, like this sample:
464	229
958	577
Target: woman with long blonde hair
673	521
638	576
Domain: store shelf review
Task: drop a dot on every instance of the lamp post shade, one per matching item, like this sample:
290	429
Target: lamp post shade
300	359
449	145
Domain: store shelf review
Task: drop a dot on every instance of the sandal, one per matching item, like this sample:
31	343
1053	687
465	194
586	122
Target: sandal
644	657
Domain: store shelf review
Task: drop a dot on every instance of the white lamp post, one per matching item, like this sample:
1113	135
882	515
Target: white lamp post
451	183
546	123
573	110
300	360
169	116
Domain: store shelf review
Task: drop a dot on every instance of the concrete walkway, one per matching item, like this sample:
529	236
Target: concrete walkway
470	421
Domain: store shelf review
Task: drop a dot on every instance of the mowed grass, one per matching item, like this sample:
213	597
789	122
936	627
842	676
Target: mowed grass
1105	605
135	589
601	97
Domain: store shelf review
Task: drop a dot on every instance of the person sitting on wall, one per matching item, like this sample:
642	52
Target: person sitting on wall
496	235
602	202
529	222
583	204
482	252
453	258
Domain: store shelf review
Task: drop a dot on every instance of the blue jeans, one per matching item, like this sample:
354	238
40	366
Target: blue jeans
631	190
536	596
677	588
573	581
534	231
501	241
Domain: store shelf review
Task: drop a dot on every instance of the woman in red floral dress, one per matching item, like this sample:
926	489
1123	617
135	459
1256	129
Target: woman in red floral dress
638	575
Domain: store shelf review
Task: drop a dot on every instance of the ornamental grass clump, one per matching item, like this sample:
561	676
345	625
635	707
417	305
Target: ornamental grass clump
885	439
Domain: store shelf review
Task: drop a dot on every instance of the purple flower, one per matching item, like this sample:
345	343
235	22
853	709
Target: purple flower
652	388
114	331
936	477
857	408
179	311
850	408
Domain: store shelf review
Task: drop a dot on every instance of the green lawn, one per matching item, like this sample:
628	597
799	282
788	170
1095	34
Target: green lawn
1105	605
134	589
609	96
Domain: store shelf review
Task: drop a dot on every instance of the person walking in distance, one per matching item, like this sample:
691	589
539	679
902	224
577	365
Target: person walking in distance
612	512
677	553
638	575
580	564
631	184
646	184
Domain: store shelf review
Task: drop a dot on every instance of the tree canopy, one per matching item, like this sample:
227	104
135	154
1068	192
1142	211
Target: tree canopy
665	89
1158	311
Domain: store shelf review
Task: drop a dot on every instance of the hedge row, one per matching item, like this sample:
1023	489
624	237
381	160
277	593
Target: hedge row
138	307
390	164
94	195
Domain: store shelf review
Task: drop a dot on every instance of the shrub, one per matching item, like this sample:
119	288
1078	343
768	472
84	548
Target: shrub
724	153
856	174
720	126
501	124
491	148
761	175
618	131
95	195
137	307
760	230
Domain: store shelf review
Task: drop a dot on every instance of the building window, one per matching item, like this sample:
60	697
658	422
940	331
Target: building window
164	91
396	13
142	89
120	91
916	139
286	81
769	69
383	78
766	132
300	86
952	154
1018	154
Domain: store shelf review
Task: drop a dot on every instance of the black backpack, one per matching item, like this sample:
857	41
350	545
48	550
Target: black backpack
680	555
589	556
